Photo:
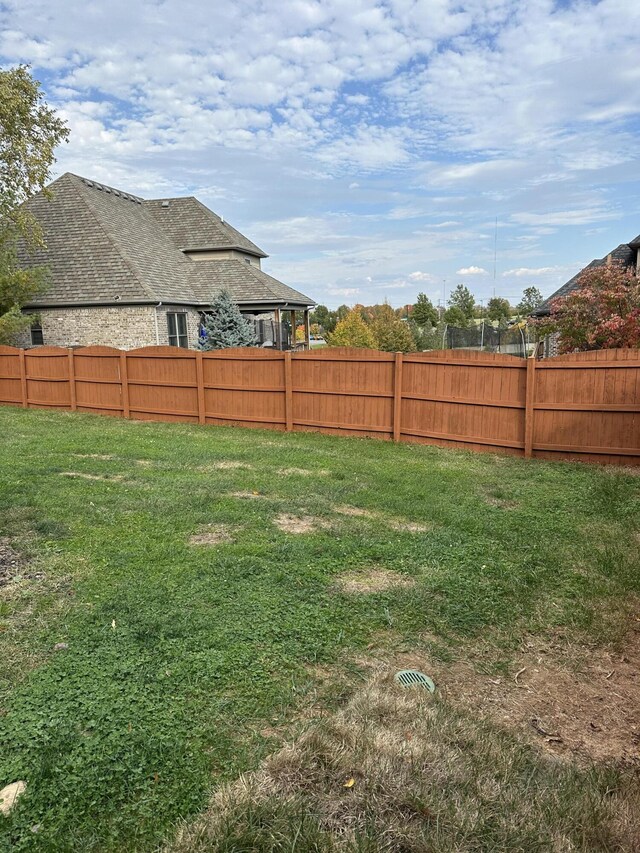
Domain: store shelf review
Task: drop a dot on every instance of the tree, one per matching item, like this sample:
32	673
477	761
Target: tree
352	331
462	298
424	311
498	309
390	333
224	326
324	317
455	316
602	313
531	299
29	134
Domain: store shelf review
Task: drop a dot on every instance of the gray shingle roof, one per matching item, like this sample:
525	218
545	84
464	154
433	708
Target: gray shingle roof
105	246
191	225
624	254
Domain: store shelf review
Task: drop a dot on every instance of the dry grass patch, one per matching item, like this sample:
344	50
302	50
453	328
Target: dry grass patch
107	457
297	524
373	580
355	511
303	472
400	770
212	534
408	526
247	495
80	475
231	465
398	524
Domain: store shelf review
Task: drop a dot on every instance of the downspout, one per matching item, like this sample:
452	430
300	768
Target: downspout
155	317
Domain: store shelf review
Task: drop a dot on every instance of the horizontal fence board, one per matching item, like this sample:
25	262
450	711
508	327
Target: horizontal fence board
577	406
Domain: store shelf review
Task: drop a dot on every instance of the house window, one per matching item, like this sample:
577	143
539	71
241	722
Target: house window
177	326
37	339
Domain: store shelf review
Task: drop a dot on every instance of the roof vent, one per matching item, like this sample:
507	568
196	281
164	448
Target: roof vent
89	183
107	190
116	192
165	204
98	186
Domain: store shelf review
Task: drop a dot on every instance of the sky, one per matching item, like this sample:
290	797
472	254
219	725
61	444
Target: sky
373	149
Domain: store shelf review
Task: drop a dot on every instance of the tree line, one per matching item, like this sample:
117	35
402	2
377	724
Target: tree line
415	327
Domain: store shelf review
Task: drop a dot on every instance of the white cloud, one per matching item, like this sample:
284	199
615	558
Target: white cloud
520	272
442	115
471	271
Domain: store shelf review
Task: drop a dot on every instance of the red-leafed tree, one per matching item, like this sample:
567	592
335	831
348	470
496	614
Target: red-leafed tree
603	312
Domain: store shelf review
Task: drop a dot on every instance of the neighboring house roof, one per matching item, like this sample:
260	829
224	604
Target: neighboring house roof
105	246
624	254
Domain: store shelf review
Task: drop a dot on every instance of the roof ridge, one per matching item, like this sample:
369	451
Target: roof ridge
114	243
98	185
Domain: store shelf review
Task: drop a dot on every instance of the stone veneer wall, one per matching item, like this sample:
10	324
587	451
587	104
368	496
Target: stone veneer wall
121	326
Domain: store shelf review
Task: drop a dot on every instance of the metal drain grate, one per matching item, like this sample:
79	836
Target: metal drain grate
413	678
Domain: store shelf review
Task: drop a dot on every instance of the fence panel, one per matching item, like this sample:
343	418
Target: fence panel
162	384
10	376
464	399
346	391
587	406
47	377
245	387
97	380
581	406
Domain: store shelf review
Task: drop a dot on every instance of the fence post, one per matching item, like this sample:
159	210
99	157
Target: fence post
288	392
23	379
530	397
397	396
124	385
200	384
72	382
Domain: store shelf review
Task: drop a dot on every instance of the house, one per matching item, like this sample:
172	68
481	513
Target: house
626	254
131	272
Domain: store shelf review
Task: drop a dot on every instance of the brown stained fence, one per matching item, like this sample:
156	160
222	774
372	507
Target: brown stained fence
581	406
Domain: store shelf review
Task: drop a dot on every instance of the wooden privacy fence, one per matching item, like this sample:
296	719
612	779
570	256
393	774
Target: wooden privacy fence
580	406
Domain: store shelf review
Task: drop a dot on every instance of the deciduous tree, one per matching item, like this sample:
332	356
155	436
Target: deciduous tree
498	309
390	333
462	298
424	311
352	331
29	135
531	299
602	313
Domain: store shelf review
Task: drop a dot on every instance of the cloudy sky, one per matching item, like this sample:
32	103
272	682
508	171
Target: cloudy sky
369	146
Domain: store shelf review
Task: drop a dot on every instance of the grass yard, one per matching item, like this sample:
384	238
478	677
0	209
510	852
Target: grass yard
232	604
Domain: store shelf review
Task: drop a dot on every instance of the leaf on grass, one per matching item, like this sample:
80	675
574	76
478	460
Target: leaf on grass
349	783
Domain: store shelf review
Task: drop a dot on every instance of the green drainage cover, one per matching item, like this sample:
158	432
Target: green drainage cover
413	678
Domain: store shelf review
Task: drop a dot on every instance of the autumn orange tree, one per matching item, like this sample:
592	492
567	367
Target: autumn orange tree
603	312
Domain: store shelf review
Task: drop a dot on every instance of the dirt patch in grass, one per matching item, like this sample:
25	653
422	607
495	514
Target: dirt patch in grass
11	562
374	580
400	770
212	534
591	713
79	475
297	524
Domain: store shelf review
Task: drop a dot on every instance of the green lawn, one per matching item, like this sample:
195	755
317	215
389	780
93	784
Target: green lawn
181	658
